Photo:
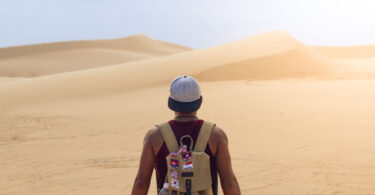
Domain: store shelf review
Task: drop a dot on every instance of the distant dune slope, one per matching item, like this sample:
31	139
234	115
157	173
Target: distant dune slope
347	52
295	63
7	79
273	55
353	60
51	58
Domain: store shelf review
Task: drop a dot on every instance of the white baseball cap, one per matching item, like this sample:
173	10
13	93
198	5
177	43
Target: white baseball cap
185	94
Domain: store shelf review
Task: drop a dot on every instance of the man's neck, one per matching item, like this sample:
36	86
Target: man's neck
185	117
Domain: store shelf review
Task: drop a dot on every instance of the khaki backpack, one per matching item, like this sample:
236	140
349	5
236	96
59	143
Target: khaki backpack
188	170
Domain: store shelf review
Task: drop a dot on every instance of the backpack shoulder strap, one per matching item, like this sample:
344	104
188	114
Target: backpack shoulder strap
169	137
203	136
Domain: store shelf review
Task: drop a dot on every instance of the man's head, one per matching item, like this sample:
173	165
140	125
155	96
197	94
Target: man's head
185	95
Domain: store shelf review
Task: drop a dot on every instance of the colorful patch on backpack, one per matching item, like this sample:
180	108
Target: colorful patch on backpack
183	149
174	174
186	156
173	155
188	165
174	163
174	183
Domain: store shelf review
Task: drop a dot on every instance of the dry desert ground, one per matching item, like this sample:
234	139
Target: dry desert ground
300	119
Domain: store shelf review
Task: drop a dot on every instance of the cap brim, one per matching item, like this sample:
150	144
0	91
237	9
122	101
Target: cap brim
184	106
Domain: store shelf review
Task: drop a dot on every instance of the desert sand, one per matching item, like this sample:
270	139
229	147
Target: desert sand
7	79
300	119
52	58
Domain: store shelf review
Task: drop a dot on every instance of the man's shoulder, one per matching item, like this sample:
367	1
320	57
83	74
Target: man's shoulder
218	135
217	131
153	135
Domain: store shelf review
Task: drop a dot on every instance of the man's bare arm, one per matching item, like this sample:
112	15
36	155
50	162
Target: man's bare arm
228	180
146	165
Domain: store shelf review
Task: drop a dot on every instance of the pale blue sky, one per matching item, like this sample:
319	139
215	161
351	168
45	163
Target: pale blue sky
194	23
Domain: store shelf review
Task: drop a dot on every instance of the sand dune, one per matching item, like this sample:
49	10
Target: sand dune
295	63
51	58
367	62
81	132
273	55
355	61
7	79
347	52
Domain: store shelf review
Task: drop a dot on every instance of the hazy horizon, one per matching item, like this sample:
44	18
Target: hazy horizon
194	24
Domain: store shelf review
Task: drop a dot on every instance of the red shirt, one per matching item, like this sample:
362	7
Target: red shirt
181	128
